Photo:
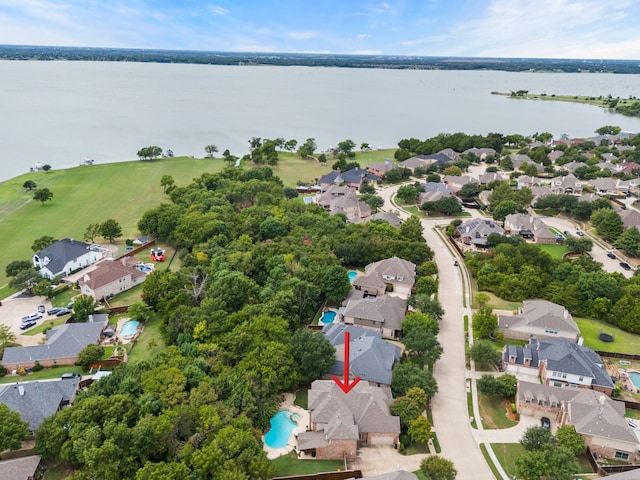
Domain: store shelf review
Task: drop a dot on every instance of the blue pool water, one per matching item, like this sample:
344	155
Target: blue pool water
307	200
352	276
129	329
281	429
635	378
328	317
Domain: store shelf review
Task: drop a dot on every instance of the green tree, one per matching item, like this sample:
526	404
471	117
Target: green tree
374	201
504	208
483	354
29	185
482	298
163	471
83	306
312	353
453	171
468	190
167	183
346	147
46	167
435	467
448	205
408	375
412	229
210	149
335	283
139	311
426	286
531	465
608	223
629	242
44	288
42	243
89	354
42	195
307	148
92	231
423	346
110	229
407	409
13	268
570	439
536	438
419	429
484	322
25	280
608	130
579	244
6	335
13	431
407	194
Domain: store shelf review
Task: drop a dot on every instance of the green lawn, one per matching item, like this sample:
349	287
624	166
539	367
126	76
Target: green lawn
507	454
45	373
415	448
45	326
149	343
289	464
493	412
487	458
556	251
625	342
499	303
302	397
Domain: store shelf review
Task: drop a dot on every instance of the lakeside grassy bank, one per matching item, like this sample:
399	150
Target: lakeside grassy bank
122	191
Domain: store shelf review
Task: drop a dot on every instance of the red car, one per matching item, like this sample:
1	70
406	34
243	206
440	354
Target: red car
157	255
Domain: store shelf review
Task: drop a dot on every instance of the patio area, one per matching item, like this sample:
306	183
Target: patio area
303	424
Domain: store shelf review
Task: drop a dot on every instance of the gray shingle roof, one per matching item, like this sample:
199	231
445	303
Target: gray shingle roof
35	401
63	341
61	253
370	357
387	310
541	314
19	468
630	475
399	475
355	175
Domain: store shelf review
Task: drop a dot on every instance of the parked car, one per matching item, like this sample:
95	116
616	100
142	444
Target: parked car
27	324
611	255
63	311
40	308
70	375
631	423
567	233
625	265
53	311
545	423
33	316
580	233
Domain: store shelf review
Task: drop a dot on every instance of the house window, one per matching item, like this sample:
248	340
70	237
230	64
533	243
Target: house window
557	384
540	402
564	375
622	455
581	379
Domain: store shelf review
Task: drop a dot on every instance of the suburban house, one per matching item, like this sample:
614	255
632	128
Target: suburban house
391	218
560	363
630	218
526	181
434	190
341	421
540	192
353	178
63	345
23	468
519	159
451	153
610	186
539	319
370	357
343	199
455	182
476	231
555	155
566	184
36	401
111	277
419	161
381	169
528	227
393	275
599	419
489	177
383	314
481	153
64	257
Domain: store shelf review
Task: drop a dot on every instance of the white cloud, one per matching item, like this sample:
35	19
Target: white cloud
364	35
218	10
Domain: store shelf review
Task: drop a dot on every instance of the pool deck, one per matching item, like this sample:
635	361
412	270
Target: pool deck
303	424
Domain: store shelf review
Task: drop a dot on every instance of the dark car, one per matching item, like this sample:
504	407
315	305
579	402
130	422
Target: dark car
625	265
63	311
611	255
53	311
580	233
27	324
40	308
545	423
567	233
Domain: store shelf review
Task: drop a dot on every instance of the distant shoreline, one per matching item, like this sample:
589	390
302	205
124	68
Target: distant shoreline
49	53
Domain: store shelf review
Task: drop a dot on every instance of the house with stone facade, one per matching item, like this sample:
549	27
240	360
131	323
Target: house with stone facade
529	227
111	277
559	363
539	319
341	422
599	419
568	184
392	275
343	199
65	257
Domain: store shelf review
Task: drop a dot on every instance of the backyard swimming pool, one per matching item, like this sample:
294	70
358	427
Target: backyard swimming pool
635	379
129	329
352	275
328	317
281	429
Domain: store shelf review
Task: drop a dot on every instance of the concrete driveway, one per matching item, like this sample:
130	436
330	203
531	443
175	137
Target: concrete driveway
378	459
17	306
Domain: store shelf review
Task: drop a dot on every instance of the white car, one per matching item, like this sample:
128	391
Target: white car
33	316
631	423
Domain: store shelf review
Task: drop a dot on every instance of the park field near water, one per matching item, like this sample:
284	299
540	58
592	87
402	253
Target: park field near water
122	191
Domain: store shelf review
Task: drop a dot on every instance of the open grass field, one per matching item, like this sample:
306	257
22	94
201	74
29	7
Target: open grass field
556	251
149	343
288	465
624	342
507	453
45	373
493	412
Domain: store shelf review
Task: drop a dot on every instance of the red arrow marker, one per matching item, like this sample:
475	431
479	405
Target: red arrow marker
345	386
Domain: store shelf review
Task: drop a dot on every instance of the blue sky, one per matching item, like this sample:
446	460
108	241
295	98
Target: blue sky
474	28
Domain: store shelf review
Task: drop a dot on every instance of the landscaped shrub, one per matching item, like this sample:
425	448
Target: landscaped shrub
3	371
37	367
129	242
21	371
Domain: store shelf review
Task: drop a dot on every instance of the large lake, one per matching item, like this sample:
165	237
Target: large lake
62	112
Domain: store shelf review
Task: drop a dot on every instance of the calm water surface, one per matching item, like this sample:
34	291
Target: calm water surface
62	112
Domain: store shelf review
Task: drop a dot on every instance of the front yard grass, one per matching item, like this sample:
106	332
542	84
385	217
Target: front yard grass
289	464
149	343
493	413
498	303
624	342
556	251
46	325
44	374
415	448
506	453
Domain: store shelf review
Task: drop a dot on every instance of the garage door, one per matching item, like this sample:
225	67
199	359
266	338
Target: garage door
382	441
